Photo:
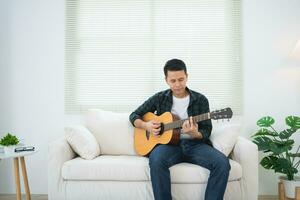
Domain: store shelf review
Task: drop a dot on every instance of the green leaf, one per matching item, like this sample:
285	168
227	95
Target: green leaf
294	170
263	143
264	131
294	154
278	147
265	121
282	165
285	134
293	122
268	162
9	140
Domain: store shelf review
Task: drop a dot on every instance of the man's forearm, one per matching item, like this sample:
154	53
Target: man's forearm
138	123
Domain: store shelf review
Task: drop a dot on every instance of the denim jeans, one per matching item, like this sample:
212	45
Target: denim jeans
196	152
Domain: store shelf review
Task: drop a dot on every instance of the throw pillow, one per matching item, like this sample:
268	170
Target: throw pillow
82	141
112	130
225	137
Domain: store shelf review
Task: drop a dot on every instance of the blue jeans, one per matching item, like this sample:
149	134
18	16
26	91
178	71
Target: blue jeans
163	157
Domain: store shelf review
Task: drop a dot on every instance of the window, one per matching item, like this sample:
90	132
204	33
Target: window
116	50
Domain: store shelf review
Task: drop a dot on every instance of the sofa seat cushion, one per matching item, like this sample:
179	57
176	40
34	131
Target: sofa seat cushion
190	173
107	168
135	168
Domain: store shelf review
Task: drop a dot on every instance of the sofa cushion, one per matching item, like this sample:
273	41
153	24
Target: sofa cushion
112	130
190	173
115	134
82	141
107	168
224	138
135	168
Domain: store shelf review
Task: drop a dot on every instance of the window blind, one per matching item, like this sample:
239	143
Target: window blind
116	50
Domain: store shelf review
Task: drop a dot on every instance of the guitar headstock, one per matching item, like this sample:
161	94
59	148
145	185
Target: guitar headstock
225	113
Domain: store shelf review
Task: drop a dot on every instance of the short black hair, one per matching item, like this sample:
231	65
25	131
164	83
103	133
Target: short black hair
174	65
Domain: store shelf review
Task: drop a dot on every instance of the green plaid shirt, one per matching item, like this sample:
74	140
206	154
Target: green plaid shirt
162	102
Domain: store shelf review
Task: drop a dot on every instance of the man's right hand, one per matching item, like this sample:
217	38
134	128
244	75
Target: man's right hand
153	127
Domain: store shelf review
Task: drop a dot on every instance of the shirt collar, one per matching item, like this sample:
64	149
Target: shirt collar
191	92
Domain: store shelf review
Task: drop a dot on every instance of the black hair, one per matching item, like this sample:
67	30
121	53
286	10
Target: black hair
174	65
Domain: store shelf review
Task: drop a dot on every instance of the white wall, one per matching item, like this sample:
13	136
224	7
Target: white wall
270	29
32	83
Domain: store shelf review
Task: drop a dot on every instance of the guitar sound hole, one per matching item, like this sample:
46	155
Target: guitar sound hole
147	135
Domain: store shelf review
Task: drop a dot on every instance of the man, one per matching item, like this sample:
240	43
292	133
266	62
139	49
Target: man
194	147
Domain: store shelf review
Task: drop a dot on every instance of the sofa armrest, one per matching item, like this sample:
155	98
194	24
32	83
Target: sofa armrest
59	152
245	152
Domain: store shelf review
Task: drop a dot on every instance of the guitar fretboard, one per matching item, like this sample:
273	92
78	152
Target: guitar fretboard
178	124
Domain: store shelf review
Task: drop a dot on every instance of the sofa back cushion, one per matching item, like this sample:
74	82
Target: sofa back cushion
112	130
115	134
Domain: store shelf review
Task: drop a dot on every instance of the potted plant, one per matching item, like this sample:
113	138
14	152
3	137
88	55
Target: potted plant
278	147
9	142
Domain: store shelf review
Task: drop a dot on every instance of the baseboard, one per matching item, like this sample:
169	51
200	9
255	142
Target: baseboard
267	197
45	197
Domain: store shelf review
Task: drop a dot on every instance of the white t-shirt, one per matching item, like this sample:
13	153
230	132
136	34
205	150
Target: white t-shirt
179	108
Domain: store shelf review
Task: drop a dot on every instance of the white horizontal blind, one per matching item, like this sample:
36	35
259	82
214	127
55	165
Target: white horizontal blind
116	50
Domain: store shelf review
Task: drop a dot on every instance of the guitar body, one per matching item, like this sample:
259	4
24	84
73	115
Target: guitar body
144	141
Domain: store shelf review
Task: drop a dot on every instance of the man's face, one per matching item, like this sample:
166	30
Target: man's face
177	82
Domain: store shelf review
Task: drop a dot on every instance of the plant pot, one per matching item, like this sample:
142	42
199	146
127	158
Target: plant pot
9	149
290	186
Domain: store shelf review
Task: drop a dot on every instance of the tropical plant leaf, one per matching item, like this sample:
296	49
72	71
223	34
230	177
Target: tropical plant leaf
278	147
264	131
265	121
268	162
274	146
282	165
293	122
263	143
294	154
285	142
267	151
285	134
294	170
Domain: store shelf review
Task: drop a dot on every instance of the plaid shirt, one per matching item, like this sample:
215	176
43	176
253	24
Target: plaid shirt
162	102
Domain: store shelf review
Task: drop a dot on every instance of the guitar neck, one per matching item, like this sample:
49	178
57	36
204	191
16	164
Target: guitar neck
178	124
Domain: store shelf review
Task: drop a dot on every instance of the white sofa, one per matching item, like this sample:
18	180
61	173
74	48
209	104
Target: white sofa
118	173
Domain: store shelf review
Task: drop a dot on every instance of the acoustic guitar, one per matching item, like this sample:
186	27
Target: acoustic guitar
144	141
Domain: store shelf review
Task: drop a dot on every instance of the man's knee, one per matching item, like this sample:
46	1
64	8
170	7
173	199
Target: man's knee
157	162
223	164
